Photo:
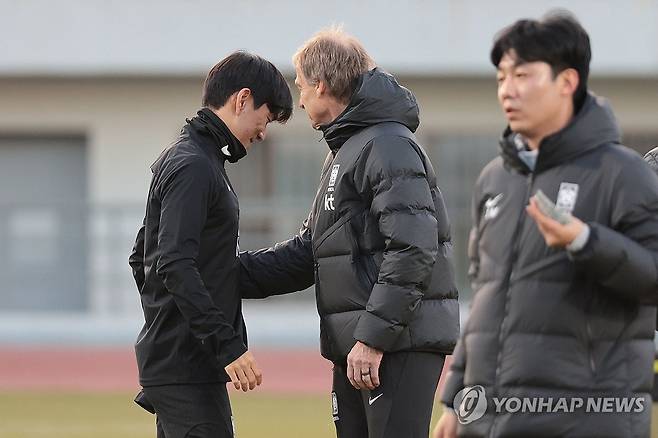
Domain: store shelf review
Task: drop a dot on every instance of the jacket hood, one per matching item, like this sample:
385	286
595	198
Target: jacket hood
378	98
593	126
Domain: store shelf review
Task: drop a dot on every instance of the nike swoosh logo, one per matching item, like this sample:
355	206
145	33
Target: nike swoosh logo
489	203
372	400
225	151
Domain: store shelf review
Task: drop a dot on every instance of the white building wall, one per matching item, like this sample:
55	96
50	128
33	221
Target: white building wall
72	37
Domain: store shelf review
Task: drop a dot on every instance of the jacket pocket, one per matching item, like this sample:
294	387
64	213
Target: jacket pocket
366	279
371	268
362	263
332	229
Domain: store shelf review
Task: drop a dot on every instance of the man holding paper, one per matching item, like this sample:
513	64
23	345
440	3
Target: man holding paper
564	251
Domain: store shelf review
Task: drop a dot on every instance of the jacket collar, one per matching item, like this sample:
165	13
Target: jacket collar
593	126
212	130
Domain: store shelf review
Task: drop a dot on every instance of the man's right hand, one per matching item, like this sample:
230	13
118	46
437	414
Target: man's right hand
447	425
244	372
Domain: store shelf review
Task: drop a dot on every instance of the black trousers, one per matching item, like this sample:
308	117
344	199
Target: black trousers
191	411
401	407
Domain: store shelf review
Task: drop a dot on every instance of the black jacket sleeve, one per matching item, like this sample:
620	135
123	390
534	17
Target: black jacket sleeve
185	195
474	234
455	377
623	257
136	259
395	176
286	267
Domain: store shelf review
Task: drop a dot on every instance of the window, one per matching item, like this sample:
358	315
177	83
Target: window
43	223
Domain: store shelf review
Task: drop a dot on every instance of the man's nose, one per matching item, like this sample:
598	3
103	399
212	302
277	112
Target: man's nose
506	88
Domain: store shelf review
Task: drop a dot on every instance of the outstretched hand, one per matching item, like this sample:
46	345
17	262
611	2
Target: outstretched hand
244	372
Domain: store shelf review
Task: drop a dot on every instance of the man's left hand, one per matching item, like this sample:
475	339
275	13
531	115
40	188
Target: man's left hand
363	366
555	234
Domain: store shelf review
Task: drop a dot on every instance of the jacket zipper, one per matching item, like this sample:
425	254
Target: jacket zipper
590	352
507	285
316	270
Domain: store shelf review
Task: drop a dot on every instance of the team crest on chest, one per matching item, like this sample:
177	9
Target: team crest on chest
567	197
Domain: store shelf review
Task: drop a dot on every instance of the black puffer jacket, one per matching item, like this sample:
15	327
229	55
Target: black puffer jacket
544	324
377	241
651	157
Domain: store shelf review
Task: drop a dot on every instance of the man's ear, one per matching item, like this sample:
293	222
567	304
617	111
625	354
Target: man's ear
321	88
570	81
241	98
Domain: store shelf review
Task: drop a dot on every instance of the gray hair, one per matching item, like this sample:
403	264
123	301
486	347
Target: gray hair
336	58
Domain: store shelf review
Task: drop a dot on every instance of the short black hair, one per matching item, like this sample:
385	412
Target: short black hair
557	39
242	69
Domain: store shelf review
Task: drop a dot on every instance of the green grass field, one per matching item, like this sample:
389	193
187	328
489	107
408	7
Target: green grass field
57	415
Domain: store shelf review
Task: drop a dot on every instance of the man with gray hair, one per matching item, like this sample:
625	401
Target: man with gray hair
376	244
